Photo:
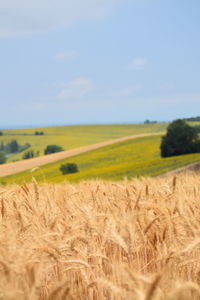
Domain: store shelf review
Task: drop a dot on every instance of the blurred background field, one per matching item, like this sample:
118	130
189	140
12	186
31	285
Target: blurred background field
70	137
133	158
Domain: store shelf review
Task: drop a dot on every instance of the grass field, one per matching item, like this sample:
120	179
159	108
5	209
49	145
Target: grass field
133	158
70	137
98	240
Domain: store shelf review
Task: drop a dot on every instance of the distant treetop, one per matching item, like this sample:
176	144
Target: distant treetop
193	119
150	122
39	133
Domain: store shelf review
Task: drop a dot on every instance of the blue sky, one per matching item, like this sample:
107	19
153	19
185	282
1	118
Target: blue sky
98	61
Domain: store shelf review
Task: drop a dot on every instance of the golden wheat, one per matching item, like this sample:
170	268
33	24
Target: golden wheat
136	240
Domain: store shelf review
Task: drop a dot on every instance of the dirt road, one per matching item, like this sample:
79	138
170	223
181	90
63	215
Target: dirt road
19	166
193	167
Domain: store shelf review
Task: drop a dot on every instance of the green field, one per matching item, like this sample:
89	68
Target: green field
70	137
133	158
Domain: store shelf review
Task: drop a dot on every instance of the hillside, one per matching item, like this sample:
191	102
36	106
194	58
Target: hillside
131	158
26	164
101	240
70	137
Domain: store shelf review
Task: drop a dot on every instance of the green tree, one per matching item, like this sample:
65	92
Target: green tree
53	149
69	168
14	146
180	139
2	158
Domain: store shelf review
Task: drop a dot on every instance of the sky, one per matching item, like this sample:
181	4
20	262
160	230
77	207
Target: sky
98	61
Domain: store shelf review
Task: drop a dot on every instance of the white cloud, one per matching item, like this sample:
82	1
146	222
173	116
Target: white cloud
76	89
138	63
22	17
66	55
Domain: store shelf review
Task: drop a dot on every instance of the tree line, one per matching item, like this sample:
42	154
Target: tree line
35	133
11	148
181	138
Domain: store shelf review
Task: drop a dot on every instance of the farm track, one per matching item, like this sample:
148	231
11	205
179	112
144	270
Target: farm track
20	166
194	167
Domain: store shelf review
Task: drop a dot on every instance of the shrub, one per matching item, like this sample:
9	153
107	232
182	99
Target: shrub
39	133
180	139
53	149
28	154
69	168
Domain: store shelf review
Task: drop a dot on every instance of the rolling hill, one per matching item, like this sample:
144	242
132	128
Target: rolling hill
132	158
70	137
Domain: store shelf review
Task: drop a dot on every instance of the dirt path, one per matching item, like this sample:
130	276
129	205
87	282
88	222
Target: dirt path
193	167
19	166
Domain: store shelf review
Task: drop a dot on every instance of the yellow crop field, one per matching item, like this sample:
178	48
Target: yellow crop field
100	240
133	158
70	137
75	136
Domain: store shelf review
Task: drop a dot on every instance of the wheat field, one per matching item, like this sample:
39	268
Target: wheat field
136	240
